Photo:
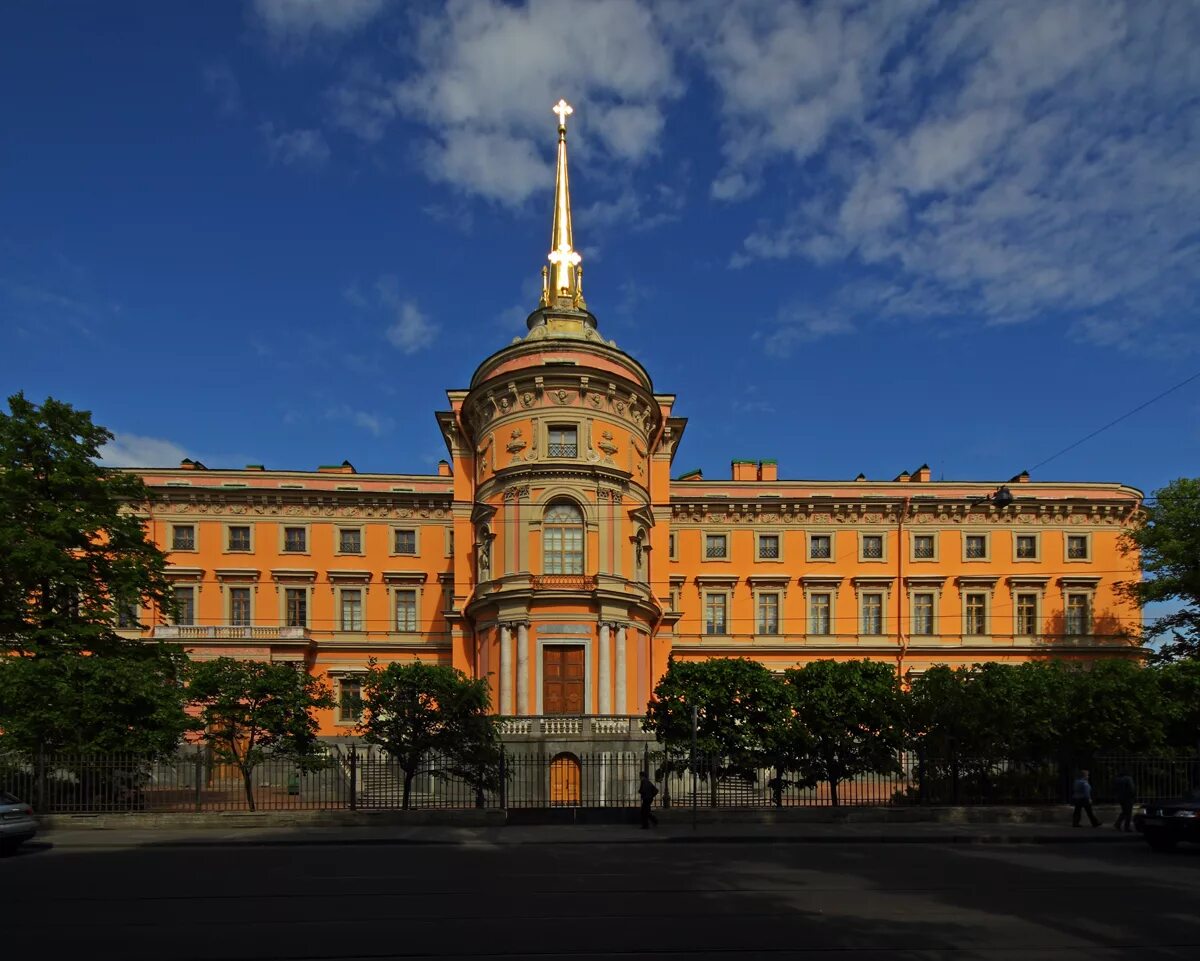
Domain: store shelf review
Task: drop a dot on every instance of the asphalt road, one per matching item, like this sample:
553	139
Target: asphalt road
600	900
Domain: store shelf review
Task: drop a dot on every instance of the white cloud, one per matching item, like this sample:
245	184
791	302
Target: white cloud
376	424
486	74
134	450
304	148
222	84
410	329
296	20
995	161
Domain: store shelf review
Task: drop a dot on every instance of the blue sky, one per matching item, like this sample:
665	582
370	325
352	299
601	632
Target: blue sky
852	237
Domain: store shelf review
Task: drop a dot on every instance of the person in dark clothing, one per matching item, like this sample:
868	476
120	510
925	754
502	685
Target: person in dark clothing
1126	791
1081	797
648	791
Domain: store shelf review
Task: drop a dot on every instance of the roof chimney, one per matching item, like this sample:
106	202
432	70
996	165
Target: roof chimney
904	477
768	470
744	470
444	469
345	467
1021	478
922	474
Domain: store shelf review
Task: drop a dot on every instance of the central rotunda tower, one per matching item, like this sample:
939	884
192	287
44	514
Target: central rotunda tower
561	453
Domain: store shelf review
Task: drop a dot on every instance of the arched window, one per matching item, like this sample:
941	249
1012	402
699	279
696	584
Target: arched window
562	539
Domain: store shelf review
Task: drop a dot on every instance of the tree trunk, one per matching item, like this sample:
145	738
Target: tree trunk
247	780
408	779
777	788
833	795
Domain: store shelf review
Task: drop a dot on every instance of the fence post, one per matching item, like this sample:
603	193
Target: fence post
503	779
42	803
922	793
353	777
199	779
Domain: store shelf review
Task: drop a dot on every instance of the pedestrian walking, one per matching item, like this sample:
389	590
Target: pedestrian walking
1081	797
1126	791
648	792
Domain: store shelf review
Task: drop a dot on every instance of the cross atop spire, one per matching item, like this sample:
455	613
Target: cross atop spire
562	283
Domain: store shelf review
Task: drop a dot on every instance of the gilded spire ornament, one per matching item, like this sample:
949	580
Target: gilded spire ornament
564	288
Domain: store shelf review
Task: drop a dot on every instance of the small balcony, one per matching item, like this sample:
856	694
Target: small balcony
571	726
230	632
563	582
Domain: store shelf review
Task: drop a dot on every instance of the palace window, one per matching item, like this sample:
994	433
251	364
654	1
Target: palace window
352	612
820	547
1078	619
1026	547
295	540
716	547
128	612
818	613
714	613
922	613
768	613
564	442
1027	615
923	547
406	542
185	606
768	547
1077	547
296	606
872	614
562	534
672	552
349	540
349	700
872	547
975	614
239	606
975	548
239	538
183	537
406	610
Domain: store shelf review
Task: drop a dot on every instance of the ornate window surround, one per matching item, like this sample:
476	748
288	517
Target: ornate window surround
821	584
987	545
883	547
930	584
977	584
285	526
833	545
912	547
873	585
778	534
1066	549
416	532
405	581
1037	547
227	527
1028	584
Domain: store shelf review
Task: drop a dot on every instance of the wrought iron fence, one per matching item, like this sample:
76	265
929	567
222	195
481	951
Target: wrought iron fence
366	778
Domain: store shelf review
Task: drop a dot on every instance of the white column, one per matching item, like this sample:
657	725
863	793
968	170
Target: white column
522	668
605	657
622	707
506	670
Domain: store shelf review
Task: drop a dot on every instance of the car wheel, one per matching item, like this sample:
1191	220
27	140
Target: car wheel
1159	841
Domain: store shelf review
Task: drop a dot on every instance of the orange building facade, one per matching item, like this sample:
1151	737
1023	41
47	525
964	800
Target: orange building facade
554	555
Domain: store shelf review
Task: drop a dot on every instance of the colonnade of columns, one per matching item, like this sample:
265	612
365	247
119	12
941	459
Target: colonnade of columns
611	655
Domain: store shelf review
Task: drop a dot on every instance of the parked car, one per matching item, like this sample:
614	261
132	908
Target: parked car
1165	823
16	823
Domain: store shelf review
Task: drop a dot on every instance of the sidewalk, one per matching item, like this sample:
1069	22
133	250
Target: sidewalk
675	831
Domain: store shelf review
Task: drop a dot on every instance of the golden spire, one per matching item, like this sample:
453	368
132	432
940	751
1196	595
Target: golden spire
564	288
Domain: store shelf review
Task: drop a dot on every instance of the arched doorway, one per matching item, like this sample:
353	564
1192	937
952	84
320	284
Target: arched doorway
565	778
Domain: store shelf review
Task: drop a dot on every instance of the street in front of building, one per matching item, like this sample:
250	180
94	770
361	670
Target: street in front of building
669	896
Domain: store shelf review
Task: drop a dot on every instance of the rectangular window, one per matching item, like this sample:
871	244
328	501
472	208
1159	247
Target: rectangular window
352	619
350	540
406	542
714	613
820	547
768	613
1078	614
1027	605
564	442
296	602
1026	547
923	614
768	547
976	614
716	546
671	551
872	614
406	610
818	613
1077	547
295	540
872	547
128	615
185	606
976	547
674	595
349	700
923	547
183	537
239	606
239	538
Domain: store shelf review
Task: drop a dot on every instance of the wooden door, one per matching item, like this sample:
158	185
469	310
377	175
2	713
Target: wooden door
565	780
562	679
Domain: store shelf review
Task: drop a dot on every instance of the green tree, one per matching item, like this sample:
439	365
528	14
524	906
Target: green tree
1179	691
853	712
72	546
432	714
1110	707
1168	539
252	710
737	702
